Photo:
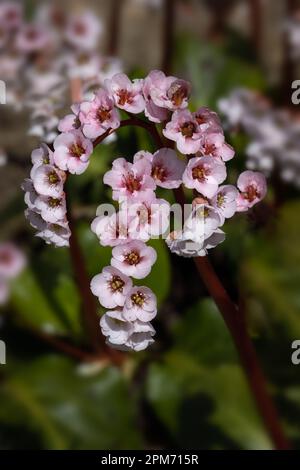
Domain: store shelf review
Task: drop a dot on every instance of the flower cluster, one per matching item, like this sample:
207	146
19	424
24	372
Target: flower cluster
45	198
38	58
12	262
201	167
274	134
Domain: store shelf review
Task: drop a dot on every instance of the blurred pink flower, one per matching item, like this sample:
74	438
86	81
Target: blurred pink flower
32	38
11	15
253	188
83	30
12	261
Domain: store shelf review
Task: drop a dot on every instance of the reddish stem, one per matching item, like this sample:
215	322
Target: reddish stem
288	65
169	8
114	26
256	24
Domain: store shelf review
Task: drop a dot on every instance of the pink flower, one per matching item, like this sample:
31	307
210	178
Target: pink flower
213	144
112	230
167	92
167	169
30	193
153	112
32	38
180	244
130	180
127	95
111	287
184	130
12	261
35	219
204	174
49	181
11	15
208	120
141	337
134	259
140	304
116	328
56	234
98	115
148	218
72	151
253	188
51	209
83	31
202	223
225	202
42	156
70	122
141	155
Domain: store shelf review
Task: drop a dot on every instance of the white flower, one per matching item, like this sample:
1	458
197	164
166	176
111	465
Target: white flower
115	327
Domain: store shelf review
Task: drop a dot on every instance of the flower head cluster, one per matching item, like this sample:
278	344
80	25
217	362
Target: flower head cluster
45	198
274	134
12	262
38	58
141	214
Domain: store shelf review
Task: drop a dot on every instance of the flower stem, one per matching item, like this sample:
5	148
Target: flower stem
255	7
169	8
114	26
235	321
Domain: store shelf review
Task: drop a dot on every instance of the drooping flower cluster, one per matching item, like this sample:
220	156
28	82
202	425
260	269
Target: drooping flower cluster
274	134
12	262
45	198
199	137
38	58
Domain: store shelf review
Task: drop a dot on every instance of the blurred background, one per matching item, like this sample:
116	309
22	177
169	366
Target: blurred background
188	391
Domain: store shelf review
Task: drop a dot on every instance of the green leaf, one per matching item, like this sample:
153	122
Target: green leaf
202	333
69	408
205	407
271	271
32	305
